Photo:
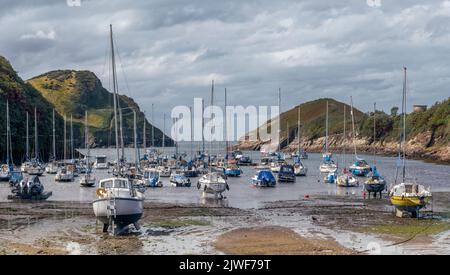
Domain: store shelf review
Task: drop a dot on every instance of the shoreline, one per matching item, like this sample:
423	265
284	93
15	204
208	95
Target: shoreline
318	225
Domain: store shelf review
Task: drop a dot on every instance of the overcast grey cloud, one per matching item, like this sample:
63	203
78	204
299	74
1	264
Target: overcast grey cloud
171	50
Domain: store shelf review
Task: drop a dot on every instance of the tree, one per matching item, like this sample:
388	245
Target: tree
394	111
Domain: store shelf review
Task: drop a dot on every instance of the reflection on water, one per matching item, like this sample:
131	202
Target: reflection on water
242	194
213	202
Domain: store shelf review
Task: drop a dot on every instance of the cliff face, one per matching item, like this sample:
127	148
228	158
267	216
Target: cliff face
428	135
74	92
24	98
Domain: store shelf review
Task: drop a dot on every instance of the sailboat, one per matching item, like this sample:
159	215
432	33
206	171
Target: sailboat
360	167
231	169
36	168
88	179
27	162
299	168
280	160
64	172
328	165
213	182
407	196
117	202
346	179
376	183
6	169
52	167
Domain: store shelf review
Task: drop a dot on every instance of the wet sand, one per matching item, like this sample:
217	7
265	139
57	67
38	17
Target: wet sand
275	240
315	225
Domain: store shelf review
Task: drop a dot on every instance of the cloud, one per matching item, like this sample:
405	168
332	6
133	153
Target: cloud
169	51
40	34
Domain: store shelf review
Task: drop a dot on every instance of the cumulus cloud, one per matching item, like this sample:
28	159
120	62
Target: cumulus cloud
171	50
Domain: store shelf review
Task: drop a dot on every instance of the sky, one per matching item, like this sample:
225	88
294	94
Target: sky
170	51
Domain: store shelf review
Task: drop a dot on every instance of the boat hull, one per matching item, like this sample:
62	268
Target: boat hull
410	204
128	211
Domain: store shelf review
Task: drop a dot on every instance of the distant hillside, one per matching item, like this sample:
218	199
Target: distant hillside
74	92
23	98
428	133
313	121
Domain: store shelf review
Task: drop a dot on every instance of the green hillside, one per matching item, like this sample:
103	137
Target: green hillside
23	98
74	92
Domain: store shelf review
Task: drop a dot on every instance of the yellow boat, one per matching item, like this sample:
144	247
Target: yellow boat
410	197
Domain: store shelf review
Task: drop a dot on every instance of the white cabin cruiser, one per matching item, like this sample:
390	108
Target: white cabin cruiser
213	183
64	174
51	168
118	204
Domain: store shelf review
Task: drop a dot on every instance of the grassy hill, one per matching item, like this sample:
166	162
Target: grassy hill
74	92
313	119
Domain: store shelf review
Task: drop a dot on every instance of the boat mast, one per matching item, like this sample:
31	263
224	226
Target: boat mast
326	131
54	137
36	148
192	132
153	127
298	127
164	133
86	140
404	125
8	136
27	156
353	125
374	134
113	61
203	126
71	137
65	137
122	144
279	129
136	160
344	156
144	133
226	127
210	112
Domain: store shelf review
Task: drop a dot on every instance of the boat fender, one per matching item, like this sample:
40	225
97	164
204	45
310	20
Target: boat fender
101	192
198	185
204	188
228	187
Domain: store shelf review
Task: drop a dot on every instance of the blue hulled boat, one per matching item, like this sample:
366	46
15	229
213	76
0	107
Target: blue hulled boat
264	178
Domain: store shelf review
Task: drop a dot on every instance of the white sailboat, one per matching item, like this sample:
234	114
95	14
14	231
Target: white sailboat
346	179
408	196
6	169
52	166
328	165
64	173
27	162
117	202
88	179
36	167
213	182
299	168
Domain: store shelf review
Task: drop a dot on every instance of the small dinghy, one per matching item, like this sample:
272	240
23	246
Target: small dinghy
264	178
232	170
30	188
178	179
299	168
330	178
